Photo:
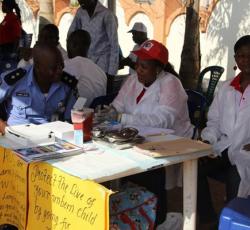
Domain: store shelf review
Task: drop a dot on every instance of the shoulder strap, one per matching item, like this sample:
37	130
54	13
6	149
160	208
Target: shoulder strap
69	80
14	76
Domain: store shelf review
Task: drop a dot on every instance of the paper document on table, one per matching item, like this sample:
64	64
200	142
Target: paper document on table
172	148
97	165
29	134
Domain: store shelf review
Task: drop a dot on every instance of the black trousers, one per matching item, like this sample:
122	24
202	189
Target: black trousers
219	169
154	181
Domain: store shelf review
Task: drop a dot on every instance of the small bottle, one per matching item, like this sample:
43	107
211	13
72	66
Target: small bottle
78	134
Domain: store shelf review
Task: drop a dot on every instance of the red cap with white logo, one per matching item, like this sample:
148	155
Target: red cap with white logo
152	50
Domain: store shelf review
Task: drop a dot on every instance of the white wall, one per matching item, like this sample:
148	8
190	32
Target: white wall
175	40
63	26
228	22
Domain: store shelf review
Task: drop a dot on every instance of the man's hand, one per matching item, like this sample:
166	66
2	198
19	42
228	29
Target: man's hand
3	124
246	147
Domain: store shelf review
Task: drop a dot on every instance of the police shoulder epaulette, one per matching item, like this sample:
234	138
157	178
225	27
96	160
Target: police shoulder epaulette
69	80
14	76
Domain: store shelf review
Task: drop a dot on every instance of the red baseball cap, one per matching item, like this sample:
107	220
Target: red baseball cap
152	49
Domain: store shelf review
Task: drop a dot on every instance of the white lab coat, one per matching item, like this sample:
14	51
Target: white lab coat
228	124
92	81
164	104
242	161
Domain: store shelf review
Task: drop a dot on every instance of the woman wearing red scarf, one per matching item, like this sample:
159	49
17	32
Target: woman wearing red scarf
10	27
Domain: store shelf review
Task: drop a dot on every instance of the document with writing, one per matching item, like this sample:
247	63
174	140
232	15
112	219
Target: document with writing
97	165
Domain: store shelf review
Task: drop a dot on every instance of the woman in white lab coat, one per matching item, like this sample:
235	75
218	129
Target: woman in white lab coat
228	130
154	98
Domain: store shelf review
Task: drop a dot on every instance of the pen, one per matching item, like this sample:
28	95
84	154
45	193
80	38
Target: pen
15	134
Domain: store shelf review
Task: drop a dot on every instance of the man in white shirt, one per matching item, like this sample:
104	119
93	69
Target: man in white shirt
101	24
92	81
139	33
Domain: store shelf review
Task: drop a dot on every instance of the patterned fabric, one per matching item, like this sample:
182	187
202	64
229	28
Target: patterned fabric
132	209
102	27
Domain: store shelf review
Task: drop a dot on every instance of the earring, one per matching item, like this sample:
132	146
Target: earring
235	67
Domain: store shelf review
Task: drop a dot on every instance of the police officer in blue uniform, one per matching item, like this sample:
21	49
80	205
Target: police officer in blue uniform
39	93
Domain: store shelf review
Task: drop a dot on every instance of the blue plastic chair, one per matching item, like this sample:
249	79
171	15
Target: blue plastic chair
103	100
215	74
196	108
236	215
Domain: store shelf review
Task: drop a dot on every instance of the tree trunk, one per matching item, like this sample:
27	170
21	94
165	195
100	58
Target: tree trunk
190	56
46	13
112	5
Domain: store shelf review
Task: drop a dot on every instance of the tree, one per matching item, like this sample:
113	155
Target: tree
190	56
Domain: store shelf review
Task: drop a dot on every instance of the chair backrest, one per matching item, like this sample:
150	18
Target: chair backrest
196	108
215	74
102	100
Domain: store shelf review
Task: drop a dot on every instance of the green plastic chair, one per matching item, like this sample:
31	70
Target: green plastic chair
215	74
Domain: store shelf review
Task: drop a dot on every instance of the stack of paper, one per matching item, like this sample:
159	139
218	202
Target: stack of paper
62	130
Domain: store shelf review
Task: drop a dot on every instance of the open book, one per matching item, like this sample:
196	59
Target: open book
56	149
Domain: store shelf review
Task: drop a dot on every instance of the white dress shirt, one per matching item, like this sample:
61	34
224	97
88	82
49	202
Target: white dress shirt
92	81
102	27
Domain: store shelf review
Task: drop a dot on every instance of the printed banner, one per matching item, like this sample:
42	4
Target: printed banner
60	201
13	189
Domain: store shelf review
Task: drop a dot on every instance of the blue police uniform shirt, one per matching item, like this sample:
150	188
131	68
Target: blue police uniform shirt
27	104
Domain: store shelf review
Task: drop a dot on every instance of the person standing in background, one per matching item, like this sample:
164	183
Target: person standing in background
10	27
10	34
101	24
140	35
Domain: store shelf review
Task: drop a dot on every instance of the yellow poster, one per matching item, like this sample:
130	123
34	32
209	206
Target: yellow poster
13	189
60	201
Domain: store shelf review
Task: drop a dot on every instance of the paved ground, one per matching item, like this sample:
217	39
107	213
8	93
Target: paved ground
218	195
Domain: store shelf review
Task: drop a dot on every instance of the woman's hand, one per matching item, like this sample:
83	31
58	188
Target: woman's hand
3	124
108	113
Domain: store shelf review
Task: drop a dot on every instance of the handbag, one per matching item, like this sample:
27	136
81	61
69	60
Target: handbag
133	208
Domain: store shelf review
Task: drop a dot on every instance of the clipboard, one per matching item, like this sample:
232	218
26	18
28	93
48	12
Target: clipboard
172	148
